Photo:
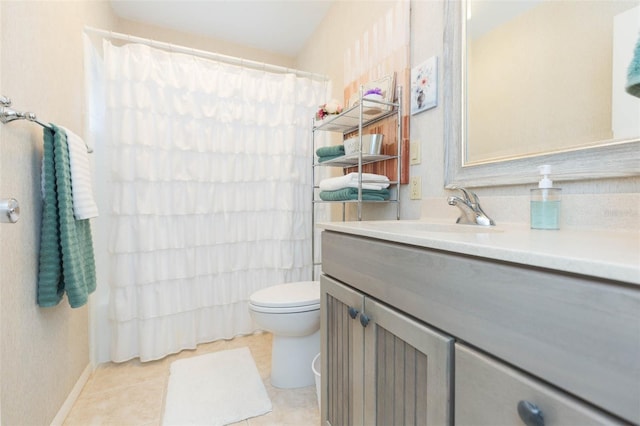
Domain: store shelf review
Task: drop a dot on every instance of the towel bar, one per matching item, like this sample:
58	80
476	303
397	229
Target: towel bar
8	115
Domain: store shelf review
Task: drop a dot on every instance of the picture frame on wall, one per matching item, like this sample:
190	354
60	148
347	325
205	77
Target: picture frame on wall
387	86
424	86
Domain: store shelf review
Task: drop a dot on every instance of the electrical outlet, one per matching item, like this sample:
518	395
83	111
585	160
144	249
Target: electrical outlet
414	152
415	188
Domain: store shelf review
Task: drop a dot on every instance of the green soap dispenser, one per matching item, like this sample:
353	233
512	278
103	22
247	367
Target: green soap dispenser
545	202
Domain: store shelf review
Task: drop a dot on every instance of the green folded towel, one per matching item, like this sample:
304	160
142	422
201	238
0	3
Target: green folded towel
633	73
346	194
326	151
66	250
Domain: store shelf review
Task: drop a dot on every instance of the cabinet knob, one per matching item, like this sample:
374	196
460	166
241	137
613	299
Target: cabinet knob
353	312
530	414
364	320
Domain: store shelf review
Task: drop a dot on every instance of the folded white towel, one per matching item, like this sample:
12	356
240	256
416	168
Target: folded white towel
84	205
369	181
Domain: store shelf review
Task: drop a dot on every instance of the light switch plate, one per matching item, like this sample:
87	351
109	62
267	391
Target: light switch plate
414	153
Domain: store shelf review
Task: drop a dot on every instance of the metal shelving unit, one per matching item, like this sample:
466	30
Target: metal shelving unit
356	118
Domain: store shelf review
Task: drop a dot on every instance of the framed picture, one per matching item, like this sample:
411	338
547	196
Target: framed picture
387	86
424	85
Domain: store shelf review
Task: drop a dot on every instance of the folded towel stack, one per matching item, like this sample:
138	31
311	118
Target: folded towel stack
343	188
346	194
327	153
369	181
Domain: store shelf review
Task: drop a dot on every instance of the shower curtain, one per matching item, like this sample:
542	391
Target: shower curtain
210	194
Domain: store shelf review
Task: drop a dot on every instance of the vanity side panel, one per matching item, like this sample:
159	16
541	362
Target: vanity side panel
579	334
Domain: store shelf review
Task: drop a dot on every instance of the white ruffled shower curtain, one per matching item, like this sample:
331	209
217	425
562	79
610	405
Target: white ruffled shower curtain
210	194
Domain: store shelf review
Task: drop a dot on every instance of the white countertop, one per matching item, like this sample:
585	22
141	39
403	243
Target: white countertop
613	255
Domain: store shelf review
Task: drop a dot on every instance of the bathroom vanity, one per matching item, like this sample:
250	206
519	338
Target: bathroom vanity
435	323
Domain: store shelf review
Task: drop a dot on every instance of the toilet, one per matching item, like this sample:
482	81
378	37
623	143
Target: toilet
291	312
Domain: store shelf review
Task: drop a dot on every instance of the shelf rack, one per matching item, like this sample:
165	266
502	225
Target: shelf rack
356	118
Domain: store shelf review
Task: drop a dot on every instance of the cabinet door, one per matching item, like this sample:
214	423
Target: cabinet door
407	375
490	393
342	361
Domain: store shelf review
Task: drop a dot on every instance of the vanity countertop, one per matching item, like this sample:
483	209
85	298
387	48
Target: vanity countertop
613	255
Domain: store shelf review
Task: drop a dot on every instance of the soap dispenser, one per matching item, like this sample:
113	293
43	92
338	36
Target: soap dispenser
545	202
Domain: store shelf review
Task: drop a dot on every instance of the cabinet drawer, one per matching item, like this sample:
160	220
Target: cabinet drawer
488	393
575	332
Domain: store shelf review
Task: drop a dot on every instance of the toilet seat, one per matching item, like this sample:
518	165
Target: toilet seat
295	297
289	310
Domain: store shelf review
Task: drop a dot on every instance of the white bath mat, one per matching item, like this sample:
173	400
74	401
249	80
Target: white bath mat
215	389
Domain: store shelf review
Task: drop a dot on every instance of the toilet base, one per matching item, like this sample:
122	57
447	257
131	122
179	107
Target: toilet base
291	359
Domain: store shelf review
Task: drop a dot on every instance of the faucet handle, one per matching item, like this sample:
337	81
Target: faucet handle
475	214
469	196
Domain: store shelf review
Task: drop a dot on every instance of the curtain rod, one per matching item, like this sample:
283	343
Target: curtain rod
205	54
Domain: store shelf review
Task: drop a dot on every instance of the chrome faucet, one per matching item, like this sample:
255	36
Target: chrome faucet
472	213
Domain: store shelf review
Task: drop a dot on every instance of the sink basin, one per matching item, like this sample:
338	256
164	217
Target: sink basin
410	227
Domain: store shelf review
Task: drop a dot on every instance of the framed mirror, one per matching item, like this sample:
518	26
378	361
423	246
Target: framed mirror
538	113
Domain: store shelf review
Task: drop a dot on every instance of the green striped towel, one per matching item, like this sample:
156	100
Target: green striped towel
330	151
633	73
67	263
346	194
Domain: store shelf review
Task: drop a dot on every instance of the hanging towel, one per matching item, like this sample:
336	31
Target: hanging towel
330	151
347	194
633	74
66	250
350	180
84	205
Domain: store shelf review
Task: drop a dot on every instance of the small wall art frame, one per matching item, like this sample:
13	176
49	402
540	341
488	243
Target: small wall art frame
424	85
386	86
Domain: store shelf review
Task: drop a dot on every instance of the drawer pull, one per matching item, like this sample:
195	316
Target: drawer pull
530	414
353	312
364	320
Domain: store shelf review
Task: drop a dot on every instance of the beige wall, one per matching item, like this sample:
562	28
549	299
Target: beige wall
44	351
606	203
201	43
324	53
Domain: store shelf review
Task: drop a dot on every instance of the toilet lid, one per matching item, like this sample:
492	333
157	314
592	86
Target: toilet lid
304	293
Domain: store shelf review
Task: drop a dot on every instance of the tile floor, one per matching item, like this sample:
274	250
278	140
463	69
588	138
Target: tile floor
133	393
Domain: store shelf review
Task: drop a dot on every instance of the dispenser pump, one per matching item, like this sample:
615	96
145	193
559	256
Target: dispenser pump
545	171
545	202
